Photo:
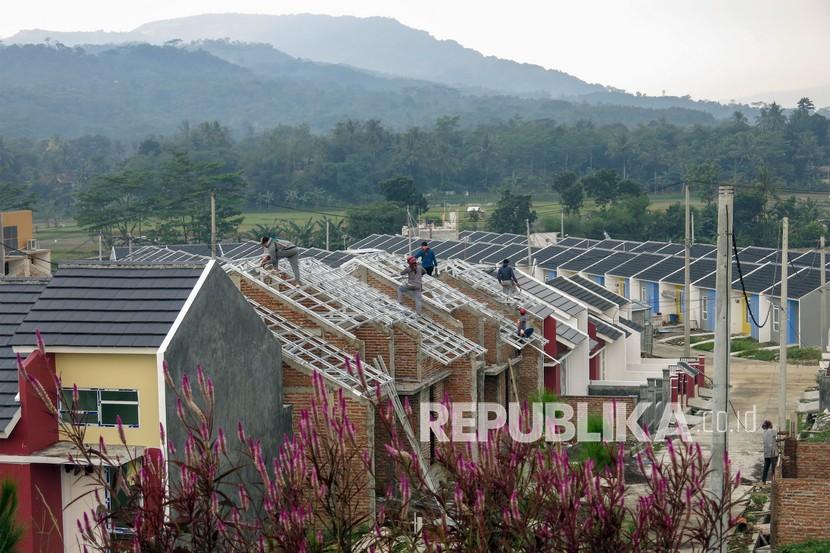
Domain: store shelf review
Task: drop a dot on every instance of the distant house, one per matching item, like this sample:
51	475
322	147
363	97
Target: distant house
23	255
108	329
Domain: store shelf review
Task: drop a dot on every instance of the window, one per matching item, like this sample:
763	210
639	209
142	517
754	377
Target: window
704	308
10	237
775	313
643	293
102	407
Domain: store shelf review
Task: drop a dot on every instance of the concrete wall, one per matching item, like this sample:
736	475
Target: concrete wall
810	314
224	334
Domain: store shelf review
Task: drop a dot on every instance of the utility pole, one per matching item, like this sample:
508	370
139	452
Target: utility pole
327	235
562	224
823	295
213	225
100	247
687	314
693	229
2	246
129	243
720	393
783	326
409	228
529	253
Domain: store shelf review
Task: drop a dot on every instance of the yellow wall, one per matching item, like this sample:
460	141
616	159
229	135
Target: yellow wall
23	221
127	371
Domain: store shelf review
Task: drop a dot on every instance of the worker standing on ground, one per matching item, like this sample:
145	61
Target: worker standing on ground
428	260
414	282
281	249
770	451
507	278
522	329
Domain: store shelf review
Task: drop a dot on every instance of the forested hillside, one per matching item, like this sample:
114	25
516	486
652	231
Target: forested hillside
291	165
384	45
131	91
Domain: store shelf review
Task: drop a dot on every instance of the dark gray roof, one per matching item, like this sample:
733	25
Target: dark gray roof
760	279
584	295
702	250
109	305
607	264
754	254
807	259
606	330
609	244
569	333
16	298
671	249
511	251
366	242
548	294
631	324
555	261
586	259
636	264
799	284
600	290
571	241
649	247
661	269
698	269
189	253
709	280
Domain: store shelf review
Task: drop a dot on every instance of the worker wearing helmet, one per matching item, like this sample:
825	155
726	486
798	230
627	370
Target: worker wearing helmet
522	329
414	282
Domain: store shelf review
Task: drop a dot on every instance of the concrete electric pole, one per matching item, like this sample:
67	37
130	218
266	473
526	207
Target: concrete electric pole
720	392
687	313
213	225
823	295
783	326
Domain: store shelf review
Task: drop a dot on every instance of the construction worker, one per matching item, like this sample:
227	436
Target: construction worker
281	249
414	282
507	278
427	256
522	329
770	451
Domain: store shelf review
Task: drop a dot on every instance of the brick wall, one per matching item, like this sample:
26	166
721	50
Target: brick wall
528	373
806	460
799	511
462	383
298	393
595	402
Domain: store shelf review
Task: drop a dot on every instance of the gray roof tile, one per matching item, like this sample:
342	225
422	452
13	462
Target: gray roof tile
109	305
16	298
584	295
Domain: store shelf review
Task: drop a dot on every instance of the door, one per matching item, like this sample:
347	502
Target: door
746	327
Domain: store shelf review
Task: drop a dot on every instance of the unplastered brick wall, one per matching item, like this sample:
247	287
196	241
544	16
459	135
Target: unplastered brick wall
462	383
494	388
812	460
528	373
298	391
799	511
595	403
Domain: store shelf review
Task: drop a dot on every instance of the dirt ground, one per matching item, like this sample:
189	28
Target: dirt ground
753	386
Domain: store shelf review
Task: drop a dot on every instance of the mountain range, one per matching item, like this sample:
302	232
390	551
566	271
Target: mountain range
383	46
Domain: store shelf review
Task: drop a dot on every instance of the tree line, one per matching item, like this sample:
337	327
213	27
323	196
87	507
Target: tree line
113	186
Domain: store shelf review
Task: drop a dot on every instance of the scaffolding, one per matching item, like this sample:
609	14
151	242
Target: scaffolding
441	295
348	302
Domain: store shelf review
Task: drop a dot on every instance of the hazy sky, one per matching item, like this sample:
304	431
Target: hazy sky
716	49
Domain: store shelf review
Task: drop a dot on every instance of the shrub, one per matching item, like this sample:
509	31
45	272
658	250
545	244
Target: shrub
811	546
10	532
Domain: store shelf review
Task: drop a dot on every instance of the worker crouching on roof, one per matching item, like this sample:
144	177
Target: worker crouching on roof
414	282
428	260
522	329
281	249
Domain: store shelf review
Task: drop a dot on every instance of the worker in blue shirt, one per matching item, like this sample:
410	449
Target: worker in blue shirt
428	261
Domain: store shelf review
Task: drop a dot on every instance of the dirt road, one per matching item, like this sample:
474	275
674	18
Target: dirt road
753	386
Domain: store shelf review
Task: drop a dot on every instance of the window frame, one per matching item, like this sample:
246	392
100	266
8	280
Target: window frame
67	393
776	318
704	307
